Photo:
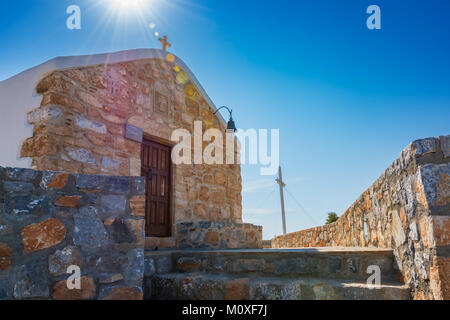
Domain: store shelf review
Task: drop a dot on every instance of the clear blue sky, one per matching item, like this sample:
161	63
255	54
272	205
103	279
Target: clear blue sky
346	99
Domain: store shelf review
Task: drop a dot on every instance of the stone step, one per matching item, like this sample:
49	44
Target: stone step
167	243
323	263
202	286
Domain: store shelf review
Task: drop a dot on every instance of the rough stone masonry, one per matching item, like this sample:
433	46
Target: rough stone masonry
406	209
50	221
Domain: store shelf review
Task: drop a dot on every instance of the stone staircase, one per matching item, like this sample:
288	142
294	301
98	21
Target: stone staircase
289	274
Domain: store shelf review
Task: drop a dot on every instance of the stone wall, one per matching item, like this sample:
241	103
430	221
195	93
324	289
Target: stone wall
218	235
80	128
406	209
50	220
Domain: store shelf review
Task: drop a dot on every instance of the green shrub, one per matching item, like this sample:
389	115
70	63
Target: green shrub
332	217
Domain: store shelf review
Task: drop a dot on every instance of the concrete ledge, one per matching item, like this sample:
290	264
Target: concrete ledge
335	263
282	251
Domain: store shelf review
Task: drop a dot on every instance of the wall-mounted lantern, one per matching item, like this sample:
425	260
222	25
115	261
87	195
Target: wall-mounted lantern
231	126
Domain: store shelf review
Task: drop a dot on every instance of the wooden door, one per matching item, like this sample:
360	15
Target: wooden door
156	169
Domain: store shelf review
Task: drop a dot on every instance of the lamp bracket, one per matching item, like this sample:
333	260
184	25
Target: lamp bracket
224	107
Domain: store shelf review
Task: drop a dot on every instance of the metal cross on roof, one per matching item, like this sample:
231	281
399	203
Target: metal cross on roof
164	43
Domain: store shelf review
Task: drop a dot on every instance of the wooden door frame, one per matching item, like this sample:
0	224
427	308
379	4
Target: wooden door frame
171	206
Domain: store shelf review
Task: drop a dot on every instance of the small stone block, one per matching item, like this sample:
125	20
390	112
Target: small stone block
134	133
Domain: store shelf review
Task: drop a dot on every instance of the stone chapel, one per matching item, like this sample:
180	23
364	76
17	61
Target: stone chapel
113	115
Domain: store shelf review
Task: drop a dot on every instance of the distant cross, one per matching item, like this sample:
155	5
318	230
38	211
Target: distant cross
282	185
164	43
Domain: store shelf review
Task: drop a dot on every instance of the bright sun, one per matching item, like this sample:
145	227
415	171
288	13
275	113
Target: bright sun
128	4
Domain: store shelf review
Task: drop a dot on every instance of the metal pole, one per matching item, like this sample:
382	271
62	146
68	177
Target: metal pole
282	185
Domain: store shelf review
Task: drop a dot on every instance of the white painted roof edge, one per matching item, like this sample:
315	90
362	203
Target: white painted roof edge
59	63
